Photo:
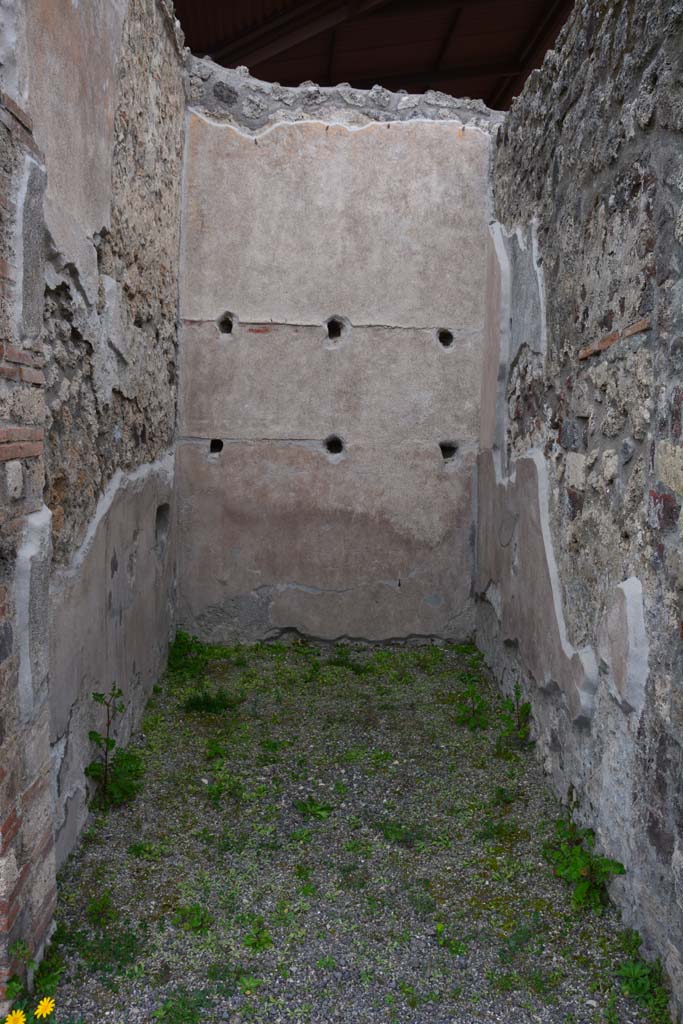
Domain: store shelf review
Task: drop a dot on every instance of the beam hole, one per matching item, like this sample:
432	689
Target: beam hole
216	445
335	328
445	337
226	323
161	525
334	444
448	450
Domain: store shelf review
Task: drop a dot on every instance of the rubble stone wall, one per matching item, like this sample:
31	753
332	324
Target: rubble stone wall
91	138
113	139
580	565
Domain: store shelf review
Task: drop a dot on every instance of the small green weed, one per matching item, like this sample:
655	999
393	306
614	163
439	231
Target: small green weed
504	797
225	978
110	951
341	658
218	702
401	832
146	850
192	917
354	876
472	710
101	911
225	786
643	982
119	774
421	899
301	835
182	1008
187	658
520	938
447	942
259	938
361	847
409	993
515	722
571	854
248	984
509	981
312	808
428	659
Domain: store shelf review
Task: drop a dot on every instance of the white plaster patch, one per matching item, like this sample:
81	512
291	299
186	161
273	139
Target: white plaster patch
32	572
624	646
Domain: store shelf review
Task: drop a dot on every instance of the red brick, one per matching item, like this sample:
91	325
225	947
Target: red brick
37	787
22	450
31	376
9	909
20	434
19	132
10	372
636	328
643	324
45	846
43	918
16	111
666	508
19	355
600	346
8	831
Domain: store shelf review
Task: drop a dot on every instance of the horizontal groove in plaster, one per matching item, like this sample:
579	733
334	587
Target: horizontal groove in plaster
459	333
317	441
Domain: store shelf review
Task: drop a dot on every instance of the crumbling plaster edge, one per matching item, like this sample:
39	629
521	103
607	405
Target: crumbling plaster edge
595	660
175	31
332	122
163	467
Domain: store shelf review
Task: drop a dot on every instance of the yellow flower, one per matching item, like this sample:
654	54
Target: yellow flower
45	1007
16	1017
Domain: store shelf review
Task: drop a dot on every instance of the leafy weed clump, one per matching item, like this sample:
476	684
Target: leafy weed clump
192	917
311	808
571	854
472	710
642	980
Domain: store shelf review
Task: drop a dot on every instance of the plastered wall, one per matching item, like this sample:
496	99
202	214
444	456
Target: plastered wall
350	258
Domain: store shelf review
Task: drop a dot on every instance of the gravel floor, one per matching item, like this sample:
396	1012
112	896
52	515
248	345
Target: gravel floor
317	840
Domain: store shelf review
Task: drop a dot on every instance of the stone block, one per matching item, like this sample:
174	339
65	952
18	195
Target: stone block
14	479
